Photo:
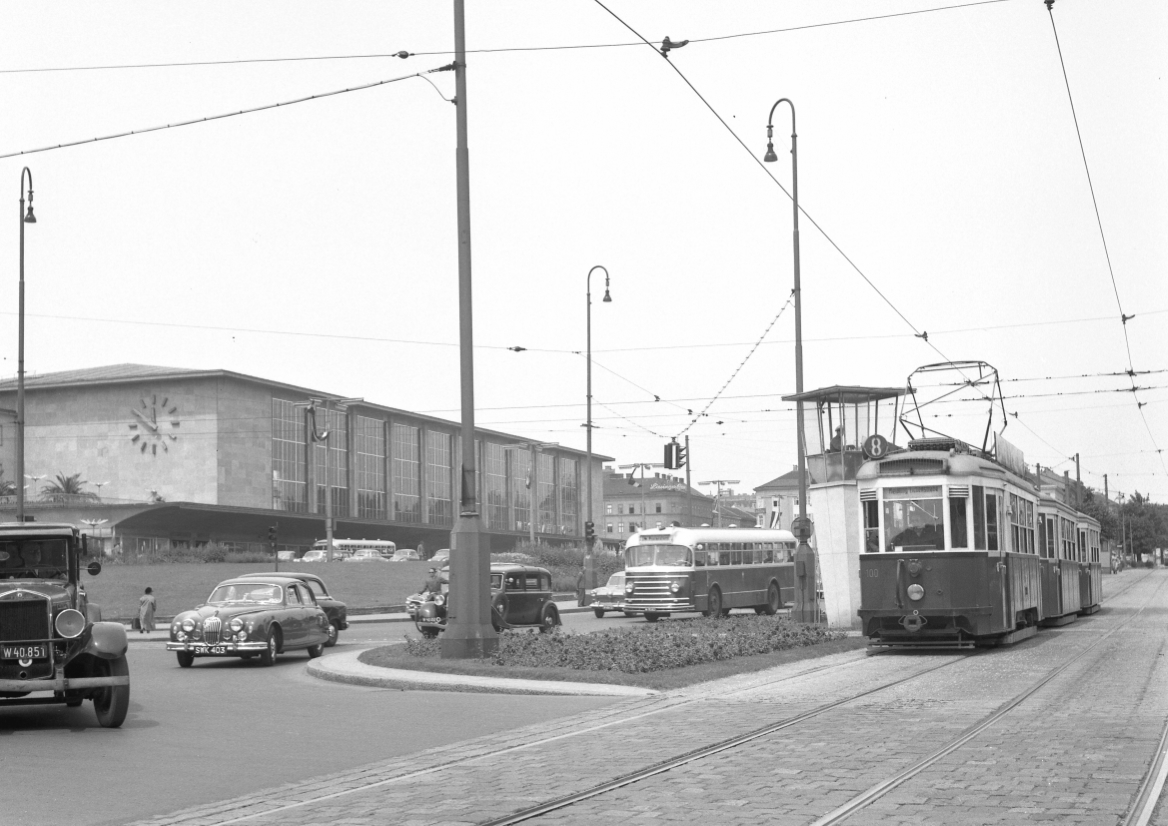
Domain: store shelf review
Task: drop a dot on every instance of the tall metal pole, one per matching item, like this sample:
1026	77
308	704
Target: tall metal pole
469	633
20	351
806	602
688	489
590	540
534	491
328	493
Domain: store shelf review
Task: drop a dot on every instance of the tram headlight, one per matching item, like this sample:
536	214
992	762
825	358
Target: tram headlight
916	591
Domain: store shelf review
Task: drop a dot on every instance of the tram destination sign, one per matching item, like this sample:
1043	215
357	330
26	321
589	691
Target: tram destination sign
1009	455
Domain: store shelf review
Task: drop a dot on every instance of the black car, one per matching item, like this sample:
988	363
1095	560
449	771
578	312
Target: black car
520	595
337	611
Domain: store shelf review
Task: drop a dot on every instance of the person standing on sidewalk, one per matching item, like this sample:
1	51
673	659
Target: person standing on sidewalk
146	606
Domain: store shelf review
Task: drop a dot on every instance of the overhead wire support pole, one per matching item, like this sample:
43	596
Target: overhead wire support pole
469	633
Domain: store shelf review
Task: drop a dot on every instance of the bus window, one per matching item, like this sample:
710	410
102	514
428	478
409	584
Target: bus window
723	557
768	556
711	557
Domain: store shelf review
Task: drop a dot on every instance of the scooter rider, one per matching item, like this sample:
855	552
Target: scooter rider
433	584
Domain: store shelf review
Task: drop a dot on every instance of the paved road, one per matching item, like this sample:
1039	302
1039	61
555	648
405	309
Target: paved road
1074	750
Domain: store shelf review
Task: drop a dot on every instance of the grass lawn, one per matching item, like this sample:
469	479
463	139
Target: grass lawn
394	656
179	587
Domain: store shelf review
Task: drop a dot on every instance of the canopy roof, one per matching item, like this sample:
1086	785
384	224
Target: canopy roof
846	394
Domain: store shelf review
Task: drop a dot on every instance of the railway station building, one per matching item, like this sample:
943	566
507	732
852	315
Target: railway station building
184	457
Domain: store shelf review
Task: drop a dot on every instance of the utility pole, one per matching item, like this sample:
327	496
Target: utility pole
469	633
688	489
717	511
1078	485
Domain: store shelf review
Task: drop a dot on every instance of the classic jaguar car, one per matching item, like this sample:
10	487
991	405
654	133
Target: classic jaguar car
610	597
248	617
337	611
520	595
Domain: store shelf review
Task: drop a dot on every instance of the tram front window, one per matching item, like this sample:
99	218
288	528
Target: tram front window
644	556
914	519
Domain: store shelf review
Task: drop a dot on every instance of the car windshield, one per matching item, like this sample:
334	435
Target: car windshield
645	556
34	558
616	581
254	593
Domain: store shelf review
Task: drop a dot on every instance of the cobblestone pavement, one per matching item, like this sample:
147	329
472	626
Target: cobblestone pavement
1073	752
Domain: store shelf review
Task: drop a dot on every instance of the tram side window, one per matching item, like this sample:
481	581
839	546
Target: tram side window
992	510
958	530
979	535
871	527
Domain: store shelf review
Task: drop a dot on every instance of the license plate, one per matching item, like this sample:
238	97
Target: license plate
430	621
24	652
209	649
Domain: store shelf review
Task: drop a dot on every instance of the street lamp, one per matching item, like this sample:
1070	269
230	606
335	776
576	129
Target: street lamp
25	218
806	603
590	536
99	486
36	486
318	436
642	467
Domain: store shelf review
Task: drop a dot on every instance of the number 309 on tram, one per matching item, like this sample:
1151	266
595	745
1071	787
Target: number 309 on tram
711	570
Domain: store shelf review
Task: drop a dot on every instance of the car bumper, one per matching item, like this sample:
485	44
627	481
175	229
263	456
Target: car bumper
223	649
61	683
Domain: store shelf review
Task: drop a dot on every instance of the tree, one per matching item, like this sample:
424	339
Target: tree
67	485
1104	512
7	488
1147	524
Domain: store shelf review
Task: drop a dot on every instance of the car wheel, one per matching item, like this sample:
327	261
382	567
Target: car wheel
630	613
111	703
772	604
652	617
185	659
333	633
550	620
599	612
315	651
268	657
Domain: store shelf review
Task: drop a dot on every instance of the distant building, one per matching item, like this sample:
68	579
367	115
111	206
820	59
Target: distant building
664	500
185	457
778	500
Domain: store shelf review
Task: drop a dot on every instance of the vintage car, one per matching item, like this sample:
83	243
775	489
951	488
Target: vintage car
314	556
521	595
248	617
405	555
337	611
366	555
440	557
53	644
610	597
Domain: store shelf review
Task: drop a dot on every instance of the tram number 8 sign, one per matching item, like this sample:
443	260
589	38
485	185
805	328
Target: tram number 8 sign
875	446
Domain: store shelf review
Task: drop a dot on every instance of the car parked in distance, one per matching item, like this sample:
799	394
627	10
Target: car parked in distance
336	611
249	617
405	555
314	556
610	597
441	557
285	556
366	555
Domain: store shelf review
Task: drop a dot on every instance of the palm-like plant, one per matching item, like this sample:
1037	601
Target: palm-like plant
7	488
67	485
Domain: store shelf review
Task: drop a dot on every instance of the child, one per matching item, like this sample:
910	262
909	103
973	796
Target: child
146	606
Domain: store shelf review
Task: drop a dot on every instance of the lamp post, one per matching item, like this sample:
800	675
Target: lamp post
642	467
469	633
28	218
36	483
317	436
806	603
590	535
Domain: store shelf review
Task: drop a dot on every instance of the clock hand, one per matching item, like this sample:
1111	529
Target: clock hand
149	425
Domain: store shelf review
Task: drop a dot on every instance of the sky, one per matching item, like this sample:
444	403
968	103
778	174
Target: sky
941	178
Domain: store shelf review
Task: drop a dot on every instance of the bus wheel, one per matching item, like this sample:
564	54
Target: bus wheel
652	617
772	604
715	603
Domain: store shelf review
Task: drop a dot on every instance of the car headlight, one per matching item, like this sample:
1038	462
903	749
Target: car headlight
439	599
70	623
675	587
242	635
916	591
188	625
235	625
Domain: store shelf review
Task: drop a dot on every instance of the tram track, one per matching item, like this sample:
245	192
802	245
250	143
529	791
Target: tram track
1139	816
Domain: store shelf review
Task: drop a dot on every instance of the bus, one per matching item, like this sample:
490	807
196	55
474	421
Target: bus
343	548
711	570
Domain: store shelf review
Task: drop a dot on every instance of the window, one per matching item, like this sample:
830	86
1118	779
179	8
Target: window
406	493
608	527
608	509
871	527
369	443
658	506
620	527
495	485
914	519
337	423
958	530
439	484
288	457
632	508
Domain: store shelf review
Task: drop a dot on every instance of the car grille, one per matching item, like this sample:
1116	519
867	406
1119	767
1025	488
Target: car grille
212	626
24	619
652	591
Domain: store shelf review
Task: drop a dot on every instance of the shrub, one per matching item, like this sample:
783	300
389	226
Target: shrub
171	554
565	562
655	648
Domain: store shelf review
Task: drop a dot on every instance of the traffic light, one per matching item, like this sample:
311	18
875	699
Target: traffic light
680	457
273	533
672	451
589	532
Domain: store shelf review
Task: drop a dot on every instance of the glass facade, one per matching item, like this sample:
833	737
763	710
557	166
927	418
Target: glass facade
288	464
495	486
337	425
407	499
369	467
439	484
400	472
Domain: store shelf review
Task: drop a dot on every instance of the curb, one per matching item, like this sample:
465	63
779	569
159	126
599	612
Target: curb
344	667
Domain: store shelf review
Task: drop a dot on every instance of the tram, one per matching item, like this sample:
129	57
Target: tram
708	570
960	546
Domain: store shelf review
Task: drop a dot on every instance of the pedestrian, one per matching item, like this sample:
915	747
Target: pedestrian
146	607
580	601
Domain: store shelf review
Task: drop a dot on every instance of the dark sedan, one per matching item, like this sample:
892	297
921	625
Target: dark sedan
338	612
249	617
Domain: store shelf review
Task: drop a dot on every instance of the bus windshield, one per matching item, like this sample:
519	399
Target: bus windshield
644	556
